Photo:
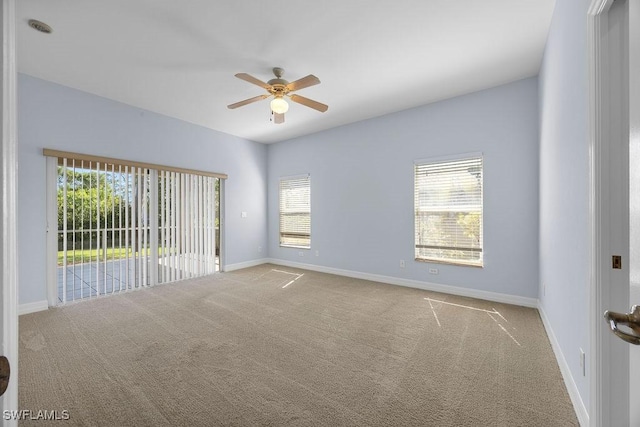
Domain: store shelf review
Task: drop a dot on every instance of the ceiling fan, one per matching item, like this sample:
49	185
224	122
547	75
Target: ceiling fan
279	88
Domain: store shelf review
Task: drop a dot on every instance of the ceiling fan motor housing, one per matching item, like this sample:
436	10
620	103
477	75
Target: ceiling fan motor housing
278	85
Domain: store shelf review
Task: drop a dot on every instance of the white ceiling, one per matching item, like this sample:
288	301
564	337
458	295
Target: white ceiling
179	58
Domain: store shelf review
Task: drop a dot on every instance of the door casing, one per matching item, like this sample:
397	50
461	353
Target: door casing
9	190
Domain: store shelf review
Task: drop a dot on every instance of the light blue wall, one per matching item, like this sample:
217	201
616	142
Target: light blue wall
57	117
362	188
564	184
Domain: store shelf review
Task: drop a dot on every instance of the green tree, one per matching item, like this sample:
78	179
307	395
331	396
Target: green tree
89	198
470	223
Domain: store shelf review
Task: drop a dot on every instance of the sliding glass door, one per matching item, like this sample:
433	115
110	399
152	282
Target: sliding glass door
122	227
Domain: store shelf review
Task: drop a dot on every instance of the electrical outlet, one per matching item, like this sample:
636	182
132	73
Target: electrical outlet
243	214
317	253
401	263
433	271
259	248
582	363
300	253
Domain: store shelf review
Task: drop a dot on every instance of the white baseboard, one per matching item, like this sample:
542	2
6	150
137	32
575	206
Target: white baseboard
447	289
246	264
32	307
572	388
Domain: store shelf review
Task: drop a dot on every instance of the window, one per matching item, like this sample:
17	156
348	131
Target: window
295	212
448	211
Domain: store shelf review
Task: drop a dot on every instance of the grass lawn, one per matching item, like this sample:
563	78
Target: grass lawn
79	256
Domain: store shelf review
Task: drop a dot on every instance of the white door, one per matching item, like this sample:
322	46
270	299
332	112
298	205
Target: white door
8	196
616	376
634	205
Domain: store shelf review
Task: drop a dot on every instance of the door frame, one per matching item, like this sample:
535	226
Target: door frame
9	230
609	356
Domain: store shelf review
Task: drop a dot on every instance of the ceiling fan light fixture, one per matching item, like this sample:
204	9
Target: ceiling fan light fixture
279	105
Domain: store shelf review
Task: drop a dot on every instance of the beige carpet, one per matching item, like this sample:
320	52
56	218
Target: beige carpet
263	346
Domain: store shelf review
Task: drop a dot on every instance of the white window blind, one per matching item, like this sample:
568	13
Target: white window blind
448	211
295	212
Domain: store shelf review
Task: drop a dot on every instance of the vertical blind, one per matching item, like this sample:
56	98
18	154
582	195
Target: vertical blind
187	231
448	211
122	227
295	212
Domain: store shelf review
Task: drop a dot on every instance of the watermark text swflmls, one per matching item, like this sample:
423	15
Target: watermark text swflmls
27	414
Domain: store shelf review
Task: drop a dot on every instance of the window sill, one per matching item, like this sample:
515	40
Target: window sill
296	247
441	261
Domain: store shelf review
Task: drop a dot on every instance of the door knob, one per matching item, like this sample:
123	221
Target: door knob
5	373
632	320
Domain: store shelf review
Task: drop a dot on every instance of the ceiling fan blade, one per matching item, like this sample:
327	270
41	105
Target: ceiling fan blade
247	101
309	103
278	118
247	78
310	80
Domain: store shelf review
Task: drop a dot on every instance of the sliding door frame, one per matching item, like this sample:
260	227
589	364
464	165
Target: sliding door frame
221	221
52	230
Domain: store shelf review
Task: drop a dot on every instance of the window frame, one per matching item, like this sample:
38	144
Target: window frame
476	156
282	179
